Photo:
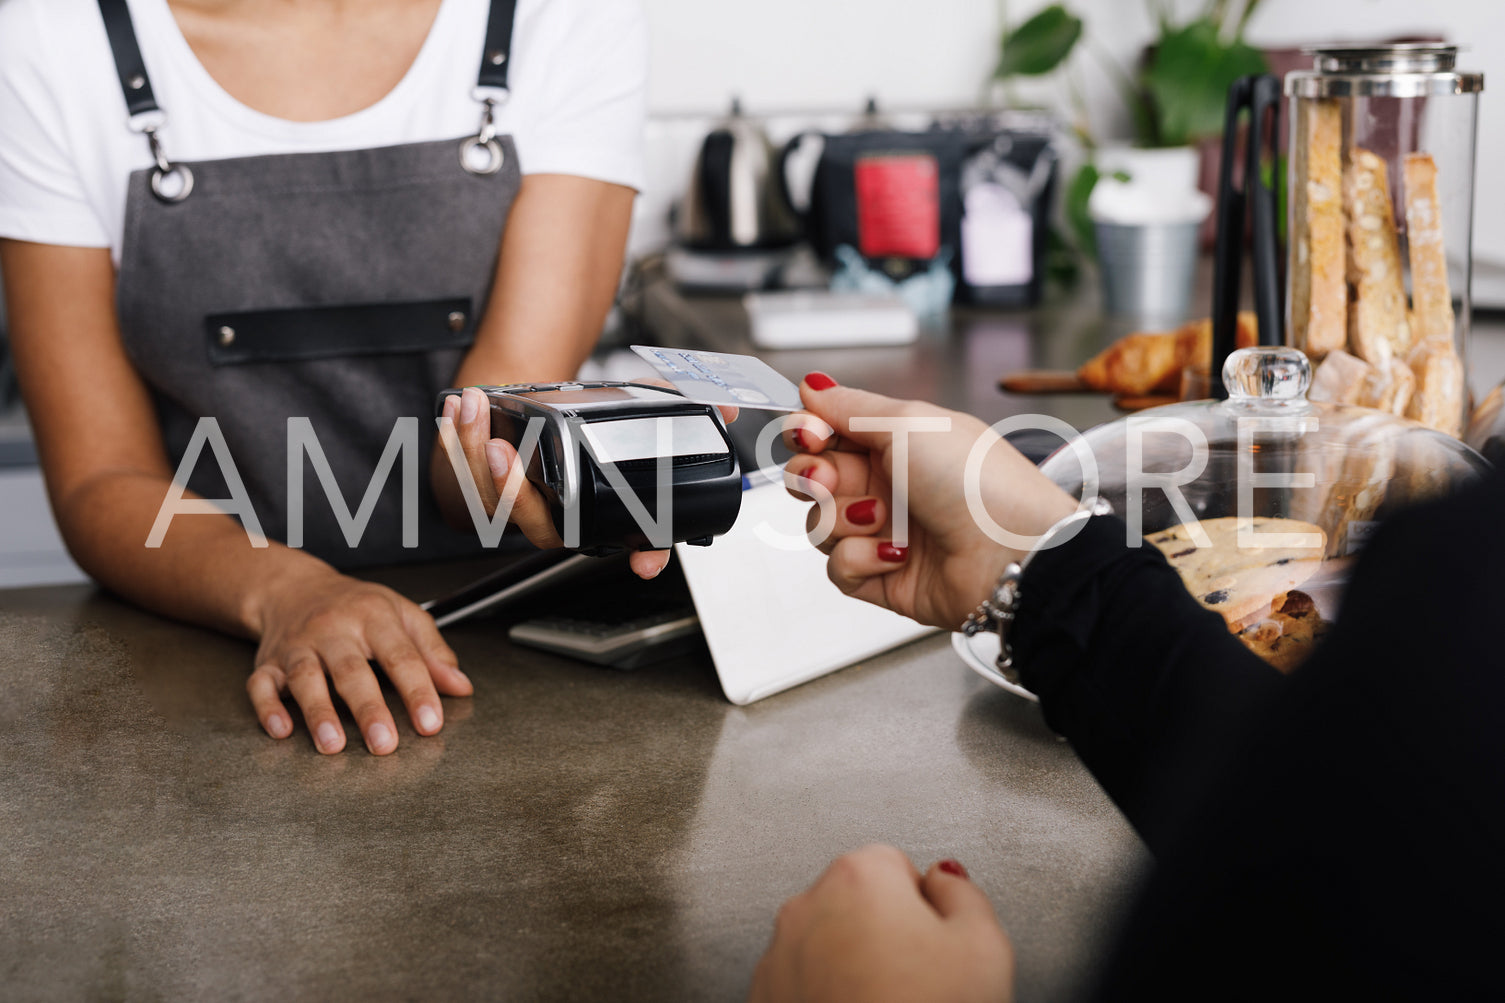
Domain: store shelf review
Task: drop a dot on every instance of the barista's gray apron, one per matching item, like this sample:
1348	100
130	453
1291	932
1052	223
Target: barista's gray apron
341	287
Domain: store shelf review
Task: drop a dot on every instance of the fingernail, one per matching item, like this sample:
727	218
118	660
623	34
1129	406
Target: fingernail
329	737
277	725
798	435
469	406
496	459
863	513
954	867
819	381
428	720
379	737
894	555
451	406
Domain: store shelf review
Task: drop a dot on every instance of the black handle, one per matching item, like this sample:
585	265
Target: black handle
1260	96
1264	123
781	180
716	186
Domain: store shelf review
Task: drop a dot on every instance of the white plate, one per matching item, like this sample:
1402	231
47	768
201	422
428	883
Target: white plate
980	652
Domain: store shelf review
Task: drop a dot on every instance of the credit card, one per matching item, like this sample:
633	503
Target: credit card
716	378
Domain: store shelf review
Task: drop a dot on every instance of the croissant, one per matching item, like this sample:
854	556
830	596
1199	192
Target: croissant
1145	363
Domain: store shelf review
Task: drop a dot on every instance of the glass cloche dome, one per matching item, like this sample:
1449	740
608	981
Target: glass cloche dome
1261	501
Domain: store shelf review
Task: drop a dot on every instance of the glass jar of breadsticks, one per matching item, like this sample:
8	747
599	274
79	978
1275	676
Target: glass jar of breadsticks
1262	501
1381	202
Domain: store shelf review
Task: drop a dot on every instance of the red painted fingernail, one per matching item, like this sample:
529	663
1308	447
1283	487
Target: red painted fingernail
819	381
954	867
894	555
863	513
798	435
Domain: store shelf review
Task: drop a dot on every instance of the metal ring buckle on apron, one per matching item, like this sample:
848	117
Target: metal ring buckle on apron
166	169
483	143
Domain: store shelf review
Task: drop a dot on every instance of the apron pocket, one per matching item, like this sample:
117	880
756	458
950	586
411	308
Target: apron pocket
324	332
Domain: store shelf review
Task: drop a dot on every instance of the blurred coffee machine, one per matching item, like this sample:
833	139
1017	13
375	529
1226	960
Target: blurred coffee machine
734	231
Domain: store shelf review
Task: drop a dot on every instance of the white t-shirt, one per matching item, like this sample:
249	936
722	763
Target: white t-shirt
577	77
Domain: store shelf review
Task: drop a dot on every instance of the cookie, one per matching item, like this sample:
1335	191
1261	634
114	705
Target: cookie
1340	378
1238	579
1438	400
1289	634
1389	384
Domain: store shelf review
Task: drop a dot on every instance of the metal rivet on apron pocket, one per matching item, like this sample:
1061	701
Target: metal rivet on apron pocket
137	82
496	58
456	320
227	336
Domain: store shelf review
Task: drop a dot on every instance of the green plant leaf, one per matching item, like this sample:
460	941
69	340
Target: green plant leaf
1274	175
1063	263
1077	194
1189	77
1040	44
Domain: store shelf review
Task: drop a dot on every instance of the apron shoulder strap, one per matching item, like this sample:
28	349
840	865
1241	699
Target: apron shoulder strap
498	51
137	86
129	66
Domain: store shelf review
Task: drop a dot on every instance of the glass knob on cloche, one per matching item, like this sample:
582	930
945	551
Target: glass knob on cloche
1267	374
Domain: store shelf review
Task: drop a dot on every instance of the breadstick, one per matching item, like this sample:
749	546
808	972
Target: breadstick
1379	304
1319	294
1431	300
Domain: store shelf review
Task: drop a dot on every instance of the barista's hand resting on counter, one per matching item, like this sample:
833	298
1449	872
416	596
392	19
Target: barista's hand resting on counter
324	627
950	563
873	928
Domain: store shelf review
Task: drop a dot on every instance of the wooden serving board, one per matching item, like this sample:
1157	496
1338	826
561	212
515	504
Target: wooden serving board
1043	381
1140	402
1063	381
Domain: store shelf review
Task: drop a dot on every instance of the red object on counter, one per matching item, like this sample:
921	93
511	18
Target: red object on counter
898	205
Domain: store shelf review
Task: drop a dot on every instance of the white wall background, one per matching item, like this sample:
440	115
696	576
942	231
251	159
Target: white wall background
788	57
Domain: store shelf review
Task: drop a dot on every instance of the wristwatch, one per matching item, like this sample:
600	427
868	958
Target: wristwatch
996	613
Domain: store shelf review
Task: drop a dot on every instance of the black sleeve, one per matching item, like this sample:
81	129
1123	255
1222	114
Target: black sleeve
1349	843
1146	684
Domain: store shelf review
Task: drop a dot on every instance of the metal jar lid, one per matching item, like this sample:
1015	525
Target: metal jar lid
1407	70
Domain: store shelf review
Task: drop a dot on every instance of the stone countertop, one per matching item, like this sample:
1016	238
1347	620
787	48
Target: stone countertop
573	833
